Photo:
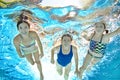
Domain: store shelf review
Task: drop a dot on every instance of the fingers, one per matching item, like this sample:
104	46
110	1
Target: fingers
41	55
52	61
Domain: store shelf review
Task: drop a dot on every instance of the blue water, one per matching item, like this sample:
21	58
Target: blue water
14	68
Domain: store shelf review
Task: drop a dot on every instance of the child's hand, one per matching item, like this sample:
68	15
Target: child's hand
84	34
52	61
22	56
76	72
118	30
41	55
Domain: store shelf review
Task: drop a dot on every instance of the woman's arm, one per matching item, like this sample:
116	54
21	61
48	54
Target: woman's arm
52	56
16	44
76	58
35	35
62	18
52	53
88	38
113	33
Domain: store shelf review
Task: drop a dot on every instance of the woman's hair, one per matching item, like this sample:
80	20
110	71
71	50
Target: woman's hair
68	35
21	17
25	10
19	22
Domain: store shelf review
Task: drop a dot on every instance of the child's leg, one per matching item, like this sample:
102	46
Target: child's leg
93	62
67	70
39	66
59	68
85	64
30	59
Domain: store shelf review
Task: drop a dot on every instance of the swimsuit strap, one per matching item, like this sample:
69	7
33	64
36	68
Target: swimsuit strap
92	35
101	38
21	43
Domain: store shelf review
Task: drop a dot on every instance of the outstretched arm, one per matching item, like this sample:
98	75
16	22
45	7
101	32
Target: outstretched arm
68	16
113	33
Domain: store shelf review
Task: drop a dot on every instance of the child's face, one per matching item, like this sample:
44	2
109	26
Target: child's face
23	28
99	28
66	41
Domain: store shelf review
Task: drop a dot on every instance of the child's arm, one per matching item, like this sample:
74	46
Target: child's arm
76	58
113	33
52	54
16	44
39	43
84	35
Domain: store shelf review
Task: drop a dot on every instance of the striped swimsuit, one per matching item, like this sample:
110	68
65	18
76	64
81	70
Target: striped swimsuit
97	47
31	48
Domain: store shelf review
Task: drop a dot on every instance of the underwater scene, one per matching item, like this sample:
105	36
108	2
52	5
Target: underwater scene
59	39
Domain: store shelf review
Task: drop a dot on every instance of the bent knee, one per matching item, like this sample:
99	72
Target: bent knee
59	72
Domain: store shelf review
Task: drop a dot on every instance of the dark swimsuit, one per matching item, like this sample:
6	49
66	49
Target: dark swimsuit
64	59
97	47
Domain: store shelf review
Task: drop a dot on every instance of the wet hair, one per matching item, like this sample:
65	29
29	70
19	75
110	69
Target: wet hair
104	26
22	16
24	10
19	22
68	35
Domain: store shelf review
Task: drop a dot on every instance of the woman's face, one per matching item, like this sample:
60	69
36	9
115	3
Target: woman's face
99	28
66	41
24	28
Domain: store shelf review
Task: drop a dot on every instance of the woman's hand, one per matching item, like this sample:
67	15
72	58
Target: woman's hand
76	72
118	30
22	56
41	55
52	61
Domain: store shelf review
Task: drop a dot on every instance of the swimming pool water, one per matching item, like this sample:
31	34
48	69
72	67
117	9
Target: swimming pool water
14	68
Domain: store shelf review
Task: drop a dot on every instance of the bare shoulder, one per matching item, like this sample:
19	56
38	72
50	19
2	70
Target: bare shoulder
17	39
91	35
56	48
33	33
74	48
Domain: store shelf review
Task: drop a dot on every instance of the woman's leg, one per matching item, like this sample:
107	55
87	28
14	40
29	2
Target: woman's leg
39	66
59	68
86	62
93	62
30	59
67	70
